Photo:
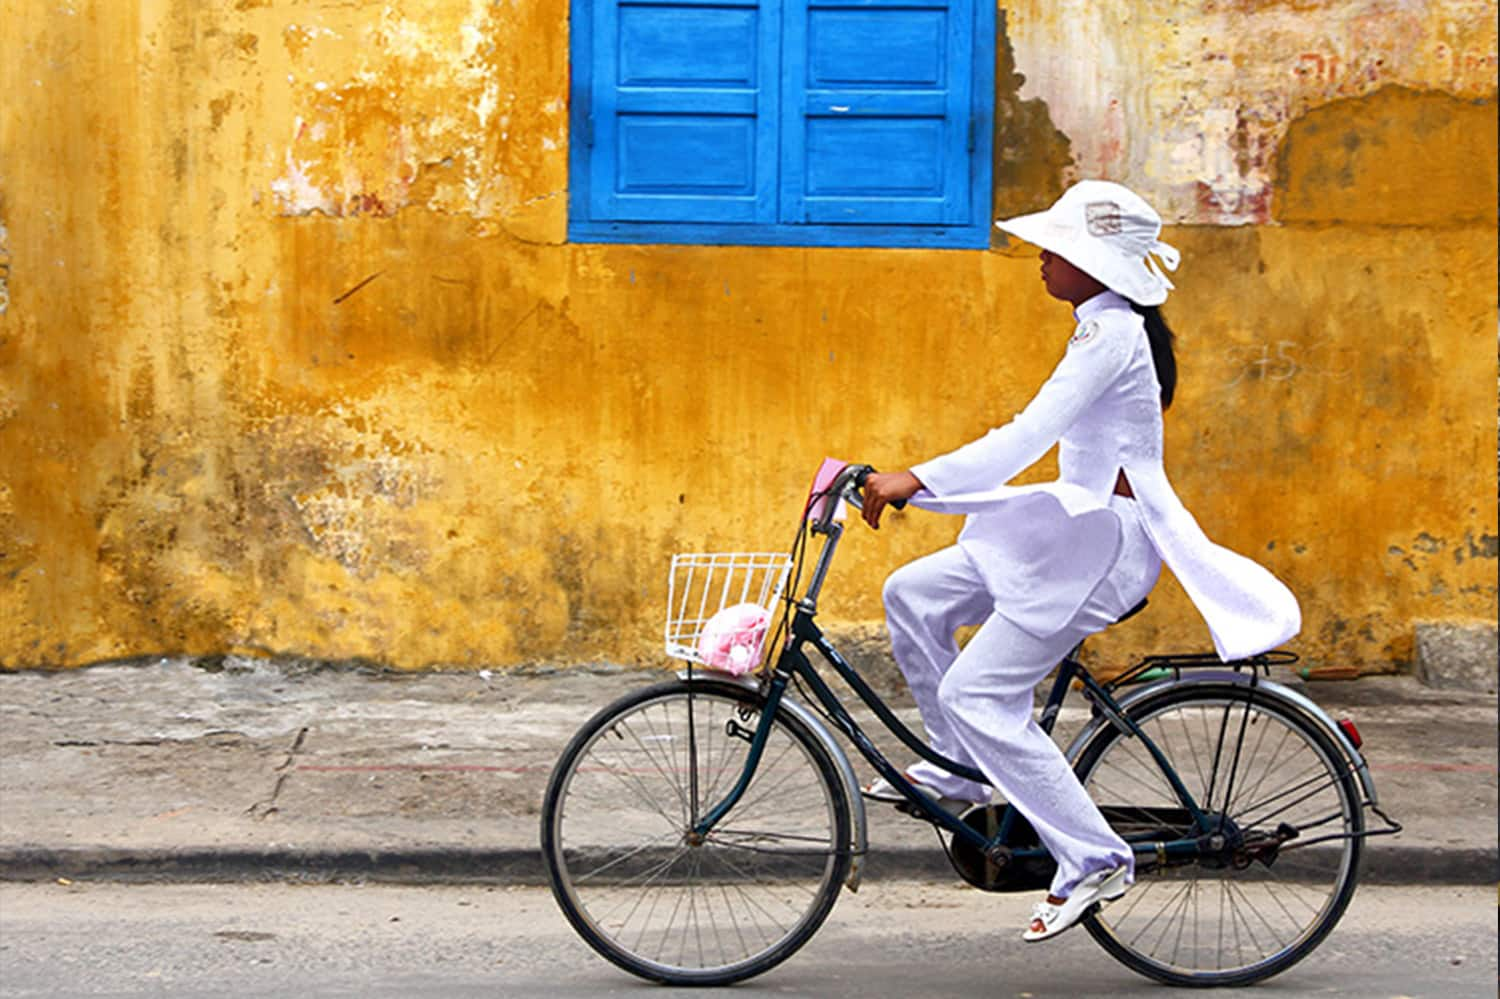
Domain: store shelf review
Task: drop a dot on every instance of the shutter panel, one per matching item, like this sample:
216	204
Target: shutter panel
679	119
876	109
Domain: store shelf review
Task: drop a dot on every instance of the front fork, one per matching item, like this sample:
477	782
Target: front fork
774	692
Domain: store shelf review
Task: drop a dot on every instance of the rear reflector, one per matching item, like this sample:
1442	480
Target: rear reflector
1347	725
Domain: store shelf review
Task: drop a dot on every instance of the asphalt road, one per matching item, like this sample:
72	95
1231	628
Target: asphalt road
893	938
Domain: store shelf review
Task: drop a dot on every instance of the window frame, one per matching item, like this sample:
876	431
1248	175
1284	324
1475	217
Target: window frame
975	234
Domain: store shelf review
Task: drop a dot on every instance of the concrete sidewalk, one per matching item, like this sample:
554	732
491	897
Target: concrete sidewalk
169	771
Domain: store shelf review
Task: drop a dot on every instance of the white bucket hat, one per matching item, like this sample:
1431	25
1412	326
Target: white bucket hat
1108	232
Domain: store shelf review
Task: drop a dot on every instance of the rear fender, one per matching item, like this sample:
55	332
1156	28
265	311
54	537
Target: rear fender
1292	699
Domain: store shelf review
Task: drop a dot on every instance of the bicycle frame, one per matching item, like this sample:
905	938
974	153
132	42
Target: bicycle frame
1271	771
793	663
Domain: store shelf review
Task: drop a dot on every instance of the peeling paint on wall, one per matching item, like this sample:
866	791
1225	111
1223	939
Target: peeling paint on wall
1189	102
1032	158
389	112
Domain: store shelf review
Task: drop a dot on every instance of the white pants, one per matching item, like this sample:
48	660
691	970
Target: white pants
977	704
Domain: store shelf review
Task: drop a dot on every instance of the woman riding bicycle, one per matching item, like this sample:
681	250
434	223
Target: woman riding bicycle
1040	568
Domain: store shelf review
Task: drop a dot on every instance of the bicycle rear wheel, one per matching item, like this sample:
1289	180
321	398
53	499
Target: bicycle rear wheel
1260	903
643	891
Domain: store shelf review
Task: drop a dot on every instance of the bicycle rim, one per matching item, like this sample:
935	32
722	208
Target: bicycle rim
1261	763
631	879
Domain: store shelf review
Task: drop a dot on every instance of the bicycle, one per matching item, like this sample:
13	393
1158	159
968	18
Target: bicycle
698	831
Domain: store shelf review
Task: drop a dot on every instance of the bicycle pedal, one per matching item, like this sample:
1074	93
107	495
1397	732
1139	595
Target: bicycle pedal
907	808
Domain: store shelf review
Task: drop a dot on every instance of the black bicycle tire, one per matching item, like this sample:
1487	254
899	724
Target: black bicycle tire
757	964
1294	716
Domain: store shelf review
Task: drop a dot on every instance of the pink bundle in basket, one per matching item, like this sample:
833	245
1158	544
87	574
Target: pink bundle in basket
732	638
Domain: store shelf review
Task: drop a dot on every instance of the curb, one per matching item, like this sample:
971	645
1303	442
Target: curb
214	865
1386	865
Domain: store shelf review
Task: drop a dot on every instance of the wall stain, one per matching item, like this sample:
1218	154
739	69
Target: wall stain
1486	546
1394	157
1428	545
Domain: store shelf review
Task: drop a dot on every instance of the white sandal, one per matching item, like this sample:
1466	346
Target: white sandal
1048	920
884	791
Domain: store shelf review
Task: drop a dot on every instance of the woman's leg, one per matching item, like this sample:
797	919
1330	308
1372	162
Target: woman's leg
987	698
925	602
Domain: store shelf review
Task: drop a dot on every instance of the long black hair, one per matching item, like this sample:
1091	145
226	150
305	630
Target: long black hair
1159	335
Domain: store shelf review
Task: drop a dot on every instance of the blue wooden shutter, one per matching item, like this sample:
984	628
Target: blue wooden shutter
682	110
876	111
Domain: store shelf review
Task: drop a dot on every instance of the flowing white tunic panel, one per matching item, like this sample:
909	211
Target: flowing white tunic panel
1042	549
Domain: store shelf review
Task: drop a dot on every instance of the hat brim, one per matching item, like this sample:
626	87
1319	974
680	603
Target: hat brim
1129	278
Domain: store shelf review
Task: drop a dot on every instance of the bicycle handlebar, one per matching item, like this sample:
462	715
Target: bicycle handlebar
863	472
846	487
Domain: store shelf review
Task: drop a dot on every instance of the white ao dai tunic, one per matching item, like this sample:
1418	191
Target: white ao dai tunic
1042	549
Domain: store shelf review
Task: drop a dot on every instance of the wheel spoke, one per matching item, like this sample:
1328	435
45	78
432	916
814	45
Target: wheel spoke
1271	767
647	879
1160	912
621	858
671	771
640	784
635	784
1323	782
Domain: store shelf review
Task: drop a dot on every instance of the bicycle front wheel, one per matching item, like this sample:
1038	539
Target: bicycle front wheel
645	892
1261	897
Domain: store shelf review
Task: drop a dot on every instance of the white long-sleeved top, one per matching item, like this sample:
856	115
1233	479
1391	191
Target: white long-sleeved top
1043	548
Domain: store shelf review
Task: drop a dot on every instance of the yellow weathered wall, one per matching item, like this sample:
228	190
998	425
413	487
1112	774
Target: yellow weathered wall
295	357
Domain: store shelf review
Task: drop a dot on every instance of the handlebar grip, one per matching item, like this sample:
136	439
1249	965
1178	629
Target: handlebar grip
862	473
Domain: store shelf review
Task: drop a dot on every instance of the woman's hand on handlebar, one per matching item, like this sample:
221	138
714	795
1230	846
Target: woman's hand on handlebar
884	488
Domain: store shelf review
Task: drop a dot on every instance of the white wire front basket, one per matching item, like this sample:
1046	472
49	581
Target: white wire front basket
720	606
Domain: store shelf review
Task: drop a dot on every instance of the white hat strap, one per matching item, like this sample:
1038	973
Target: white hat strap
1170	257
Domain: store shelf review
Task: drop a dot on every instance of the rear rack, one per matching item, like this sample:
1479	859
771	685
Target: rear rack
1154	668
